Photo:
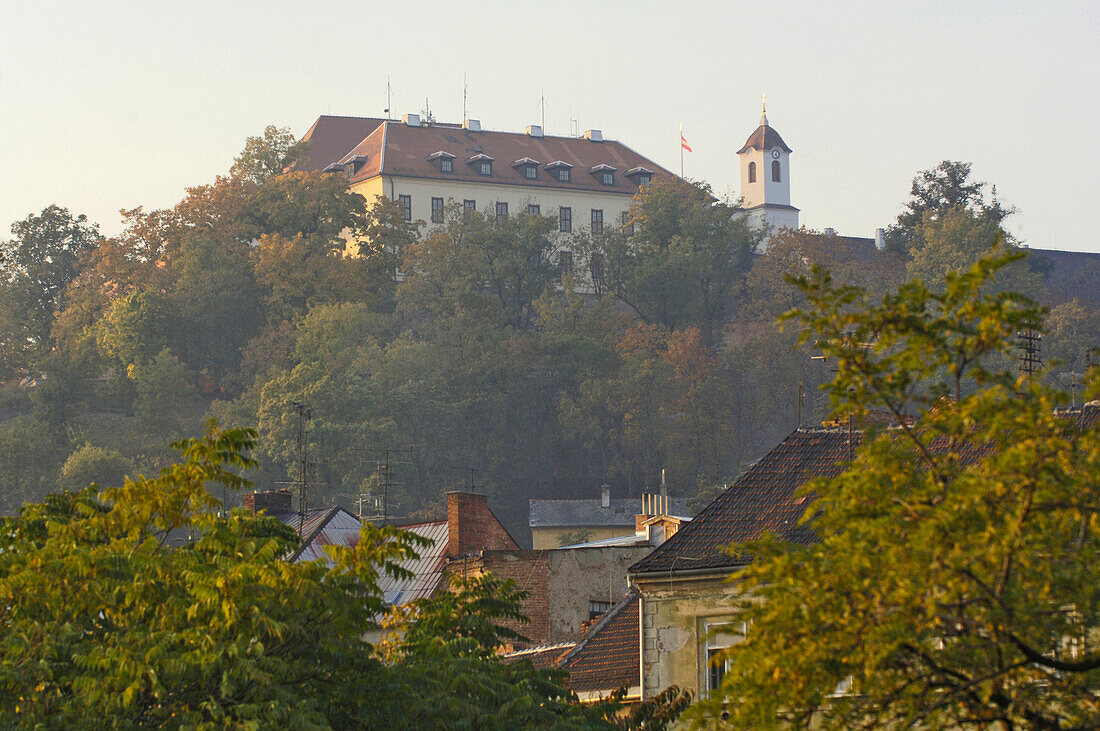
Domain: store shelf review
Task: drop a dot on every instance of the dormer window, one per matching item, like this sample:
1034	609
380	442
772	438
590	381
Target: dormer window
482	163
561	171
605	174
640	175
528	167
443	160
354	165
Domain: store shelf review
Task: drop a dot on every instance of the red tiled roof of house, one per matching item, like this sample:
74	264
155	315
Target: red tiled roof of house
331	137
543	656
395	148
606	658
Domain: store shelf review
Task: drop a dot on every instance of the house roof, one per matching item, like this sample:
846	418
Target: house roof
395	148
426	570
331	137
322	527
764	138
762	500
591	513
606	657
542	656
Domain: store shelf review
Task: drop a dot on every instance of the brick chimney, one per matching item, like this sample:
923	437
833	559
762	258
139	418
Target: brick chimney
472	527
272	501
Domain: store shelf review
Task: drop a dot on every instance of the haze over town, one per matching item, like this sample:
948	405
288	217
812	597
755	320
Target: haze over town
117	104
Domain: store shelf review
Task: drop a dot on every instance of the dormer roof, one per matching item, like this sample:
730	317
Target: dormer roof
525	161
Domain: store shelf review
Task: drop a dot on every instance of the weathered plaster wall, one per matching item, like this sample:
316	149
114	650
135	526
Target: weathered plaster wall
581	575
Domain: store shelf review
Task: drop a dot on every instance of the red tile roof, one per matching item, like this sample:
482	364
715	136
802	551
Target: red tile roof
331	137
606	658
394	148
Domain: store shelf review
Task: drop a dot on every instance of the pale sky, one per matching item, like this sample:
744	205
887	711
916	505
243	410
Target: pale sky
110	105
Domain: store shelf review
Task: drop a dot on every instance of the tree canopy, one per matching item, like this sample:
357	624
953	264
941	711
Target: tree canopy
953	583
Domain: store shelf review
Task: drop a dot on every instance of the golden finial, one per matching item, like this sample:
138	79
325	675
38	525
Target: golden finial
764	110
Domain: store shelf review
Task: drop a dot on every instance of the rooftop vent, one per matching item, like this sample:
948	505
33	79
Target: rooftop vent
533	130
880	238
472	125
411	120
830	232
593	135
605	496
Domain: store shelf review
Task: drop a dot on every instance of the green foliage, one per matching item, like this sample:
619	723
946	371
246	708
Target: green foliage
953	583
265	157
145	606
92	464
134	329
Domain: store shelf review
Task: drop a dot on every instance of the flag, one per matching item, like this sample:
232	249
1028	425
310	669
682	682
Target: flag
684	143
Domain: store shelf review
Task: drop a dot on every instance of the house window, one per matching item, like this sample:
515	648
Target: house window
446	165
565	219
406	206
485	168
717	637
595	267
437	210
350	169
597	221
627	223
563	174
502	210
596	608
530	172
644	178
533	209
775	172
565	262
469	206
607	178
752	172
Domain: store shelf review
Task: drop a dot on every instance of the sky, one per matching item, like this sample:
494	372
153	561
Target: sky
113	105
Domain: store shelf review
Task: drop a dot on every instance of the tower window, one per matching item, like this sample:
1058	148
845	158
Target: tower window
437	210
776	177
752	172
565	219
406	206
502	210
597	221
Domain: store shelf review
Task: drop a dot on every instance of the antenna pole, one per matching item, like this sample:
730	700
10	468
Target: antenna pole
465	87
389	102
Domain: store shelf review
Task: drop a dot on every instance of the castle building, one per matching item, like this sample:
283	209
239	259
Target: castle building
766	178
584	182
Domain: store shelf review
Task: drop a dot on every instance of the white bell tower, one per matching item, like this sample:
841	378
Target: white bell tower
766	177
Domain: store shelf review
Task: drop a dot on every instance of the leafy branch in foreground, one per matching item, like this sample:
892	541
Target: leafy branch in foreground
954	580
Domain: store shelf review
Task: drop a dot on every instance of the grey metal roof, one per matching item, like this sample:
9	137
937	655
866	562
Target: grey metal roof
591	513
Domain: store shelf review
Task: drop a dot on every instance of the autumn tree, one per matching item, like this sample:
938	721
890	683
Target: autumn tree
952	582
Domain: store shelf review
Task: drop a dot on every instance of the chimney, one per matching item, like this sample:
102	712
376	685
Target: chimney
411	120
593	135
880	238
605	496
533	130
271	501
472	125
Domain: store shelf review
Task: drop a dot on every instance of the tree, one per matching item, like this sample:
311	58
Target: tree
90	463
37	264
945	187
265	157
145	606
953	582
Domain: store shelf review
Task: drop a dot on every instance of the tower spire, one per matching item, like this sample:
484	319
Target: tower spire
763	110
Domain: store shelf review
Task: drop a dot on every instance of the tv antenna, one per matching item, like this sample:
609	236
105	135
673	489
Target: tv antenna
465	90
1031	344
389	95
304	466
542	108
373	502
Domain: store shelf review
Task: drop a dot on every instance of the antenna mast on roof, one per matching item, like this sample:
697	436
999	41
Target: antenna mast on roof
1031	342
465	88
542	107
389	94
574	125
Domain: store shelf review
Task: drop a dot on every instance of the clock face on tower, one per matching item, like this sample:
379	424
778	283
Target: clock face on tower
775	154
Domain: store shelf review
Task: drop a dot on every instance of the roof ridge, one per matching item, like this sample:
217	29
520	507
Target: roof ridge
596	628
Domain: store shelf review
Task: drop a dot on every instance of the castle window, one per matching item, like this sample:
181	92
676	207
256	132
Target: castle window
644	179
626	223
597	221
485	168
482	163
565	262
533	209
565	219
446	165
561	170
437	210
776	177
530	172
563	175
469	206
444	160
607	178
406	202
752	172
502	210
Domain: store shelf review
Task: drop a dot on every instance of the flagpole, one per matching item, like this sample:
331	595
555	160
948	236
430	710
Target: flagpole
681	149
